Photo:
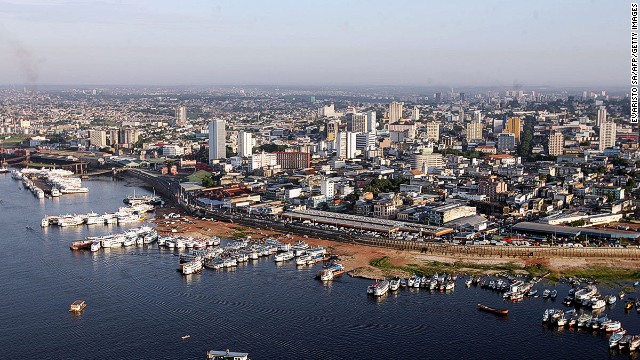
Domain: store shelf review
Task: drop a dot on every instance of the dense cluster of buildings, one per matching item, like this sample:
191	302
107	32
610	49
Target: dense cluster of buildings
457	159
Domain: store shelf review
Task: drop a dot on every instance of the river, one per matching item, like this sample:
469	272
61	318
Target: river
139	306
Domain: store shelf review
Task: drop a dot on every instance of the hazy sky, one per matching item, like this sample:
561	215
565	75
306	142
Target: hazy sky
297	42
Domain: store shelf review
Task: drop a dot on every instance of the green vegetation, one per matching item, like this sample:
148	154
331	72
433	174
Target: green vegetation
599	273
602	273
13	141
271	148
239	233
431	267
384	185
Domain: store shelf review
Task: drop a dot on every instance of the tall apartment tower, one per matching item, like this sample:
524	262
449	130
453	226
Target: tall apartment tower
513	126
181	115
245	144
607	135
433	131
372	125
602	115
556	144
395	111
474	130
357	122
415	114
217	140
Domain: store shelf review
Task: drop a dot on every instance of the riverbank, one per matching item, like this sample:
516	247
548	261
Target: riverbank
376	262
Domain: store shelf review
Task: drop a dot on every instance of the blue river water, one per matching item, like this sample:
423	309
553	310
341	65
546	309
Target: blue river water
139	306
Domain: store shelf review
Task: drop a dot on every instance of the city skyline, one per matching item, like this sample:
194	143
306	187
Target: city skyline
289	43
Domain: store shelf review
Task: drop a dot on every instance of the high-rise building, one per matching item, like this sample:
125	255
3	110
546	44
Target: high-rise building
293	160
506	142
602	115
556	144
245	143
346	145
98	138
366	141
327	188
433	131
424	162
461	115
181	115
607	135
128	136
514	127
395	111
474	130
357	122
372	125
333	126
258	161
113	137
477	116
415	114
217	140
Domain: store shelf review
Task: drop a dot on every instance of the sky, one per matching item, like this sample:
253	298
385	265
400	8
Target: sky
304	42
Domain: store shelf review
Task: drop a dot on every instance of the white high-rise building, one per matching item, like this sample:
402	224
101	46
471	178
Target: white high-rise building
556	144
258	161
607	135
602	115
217	140
371	121
477	116
327	188
366	141
181	115
245	143
98	138
346	145
433	131
395	111
474	130
415	114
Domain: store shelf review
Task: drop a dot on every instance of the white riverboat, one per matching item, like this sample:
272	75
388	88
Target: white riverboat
192	267
283	256
226	355
95	246
378	288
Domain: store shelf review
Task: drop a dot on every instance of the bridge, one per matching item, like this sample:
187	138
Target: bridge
112	171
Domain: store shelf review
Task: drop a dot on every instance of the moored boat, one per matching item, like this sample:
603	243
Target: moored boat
489	309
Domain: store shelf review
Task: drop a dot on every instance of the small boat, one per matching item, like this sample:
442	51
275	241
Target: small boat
186	337
554	294
226	355
95	246
532	292
612	326
568	300
634	343
624	342
611	299
614	339
638	305
635	284
77	306
546	293
468	282
394	284
598	304
628	304
501	312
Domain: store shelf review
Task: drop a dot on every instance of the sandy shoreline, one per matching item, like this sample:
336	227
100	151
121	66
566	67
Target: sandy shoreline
357	258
